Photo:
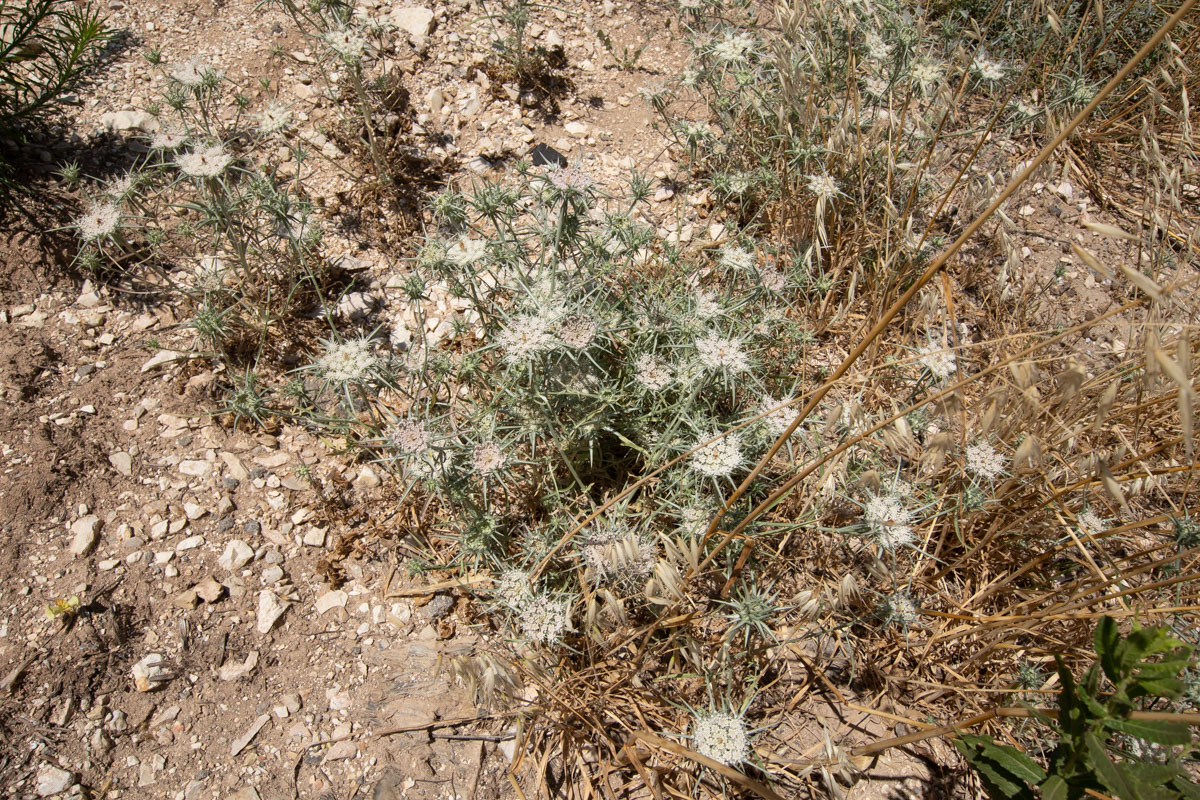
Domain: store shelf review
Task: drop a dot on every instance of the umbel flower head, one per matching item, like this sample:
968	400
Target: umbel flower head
409	436
736	258
983	460
204	162
777	419
936	358
722	737
466	251
347	362
719	459
652	373
524	337
545	618
274	118
577	331
823	187
721	353
99	222
169	139
734	48
346	43
1089	522
889	521
487	457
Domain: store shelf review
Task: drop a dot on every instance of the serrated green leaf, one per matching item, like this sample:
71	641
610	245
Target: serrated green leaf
1005	771
1149	775
1160	732
1186	787
1109	772
1165	687
1106	640
1054	788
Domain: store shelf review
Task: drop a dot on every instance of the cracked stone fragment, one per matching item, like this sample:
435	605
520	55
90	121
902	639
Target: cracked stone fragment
270	609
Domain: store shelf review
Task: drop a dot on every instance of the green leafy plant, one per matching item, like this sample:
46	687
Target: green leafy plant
626	57
1107	741
46	47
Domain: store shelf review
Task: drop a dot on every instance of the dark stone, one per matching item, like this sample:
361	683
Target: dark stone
544	155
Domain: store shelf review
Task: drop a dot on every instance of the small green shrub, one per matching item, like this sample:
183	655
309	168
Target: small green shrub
1104	743
46	47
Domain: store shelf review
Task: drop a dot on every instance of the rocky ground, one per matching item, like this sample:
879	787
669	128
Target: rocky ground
206	647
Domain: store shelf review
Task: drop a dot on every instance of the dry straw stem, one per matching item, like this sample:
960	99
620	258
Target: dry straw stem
655	740
934	268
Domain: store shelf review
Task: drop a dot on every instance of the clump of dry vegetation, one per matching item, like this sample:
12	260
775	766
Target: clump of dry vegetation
855	455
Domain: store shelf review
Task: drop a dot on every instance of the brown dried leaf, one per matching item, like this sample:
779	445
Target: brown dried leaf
1111	231
1114	488
1028	455
1142	282
1106	403
1071	379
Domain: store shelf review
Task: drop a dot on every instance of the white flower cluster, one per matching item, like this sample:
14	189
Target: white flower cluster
204	162
487	457
568	179
736	258
694	520
718	459
776	420
706	306
577	331
938	359
925	74
877	48
652	373
274	118
988	70
346	43
983	460
822	186
772	278
889	521
544	618
734	48
99	222
169	139
526	336
409	436
616	554
722	737
900	608
1090	523
718	353
348	361
121	187
512	588
466	251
